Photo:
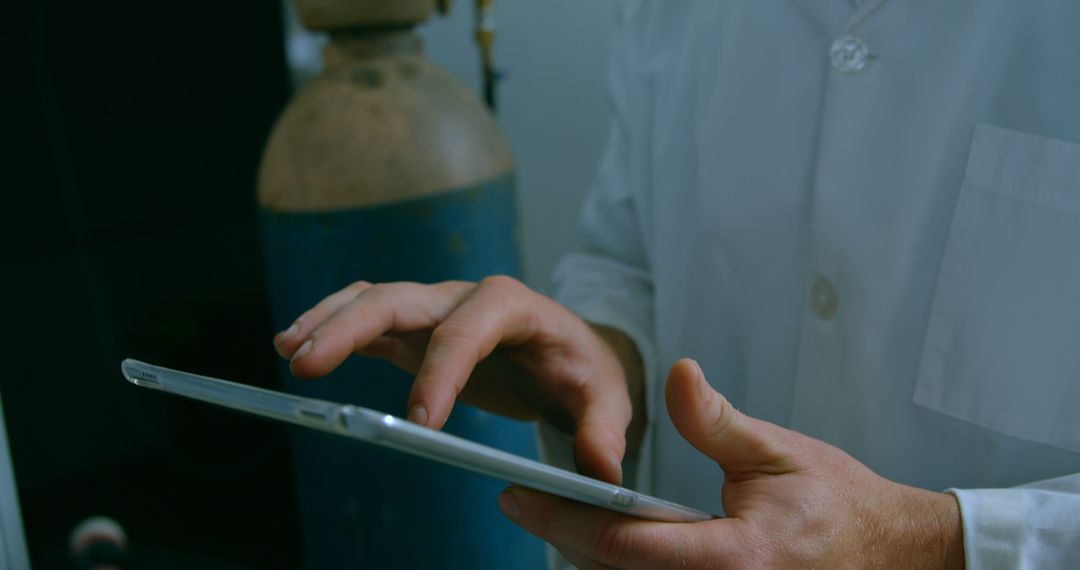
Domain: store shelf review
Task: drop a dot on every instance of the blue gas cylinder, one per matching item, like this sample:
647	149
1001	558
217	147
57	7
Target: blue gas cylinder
386	168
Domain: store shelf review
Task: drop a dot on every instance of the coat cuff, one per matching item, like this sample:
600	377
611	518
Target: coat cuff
992	520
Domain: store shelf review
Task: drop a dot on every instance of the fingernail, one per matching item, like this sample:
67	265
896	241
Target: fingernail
304	349
418	414
616	467
702	384
508	504
286	334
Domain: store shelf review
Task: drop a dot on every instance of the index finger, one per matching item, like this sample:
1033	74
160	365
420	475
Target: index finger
498	311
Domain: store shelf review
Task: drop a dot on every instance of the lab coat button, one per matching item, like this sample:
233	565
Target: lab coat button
823	298
849	54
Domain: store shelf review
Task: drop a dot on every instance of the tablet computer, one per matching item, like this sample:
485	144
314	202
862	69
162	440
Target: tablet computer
388	431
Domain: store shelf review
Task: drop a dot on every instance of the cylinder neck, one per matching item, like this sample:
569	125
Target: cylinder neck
365	43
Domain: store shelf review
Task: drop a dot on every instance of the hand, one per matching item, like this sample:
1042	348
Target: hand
497	343
792	502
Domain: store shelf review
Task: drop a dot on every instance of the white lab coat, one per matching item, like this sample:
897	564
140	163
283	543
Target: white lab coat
882	252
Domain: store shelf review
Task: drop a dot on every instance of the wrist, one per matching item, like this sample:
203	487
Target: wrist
950	531
924	530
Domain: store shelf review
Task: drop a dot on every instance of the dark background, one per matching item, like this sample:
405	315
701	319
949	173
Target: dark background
127	228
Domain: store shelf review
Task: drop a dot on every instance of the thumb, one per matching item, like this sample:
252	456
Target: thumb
710	423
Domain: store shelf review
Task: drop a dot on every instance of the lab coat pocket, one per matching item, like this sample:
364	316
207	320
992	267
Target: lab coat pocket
1003	345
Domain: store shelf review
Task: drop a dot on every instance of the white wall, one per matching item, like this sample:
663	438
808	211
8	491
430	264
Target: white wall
553	107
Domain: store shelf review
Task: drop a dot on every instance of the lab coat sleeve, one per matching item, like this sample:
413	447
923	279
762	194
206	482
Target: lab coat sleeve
608	281
1032	526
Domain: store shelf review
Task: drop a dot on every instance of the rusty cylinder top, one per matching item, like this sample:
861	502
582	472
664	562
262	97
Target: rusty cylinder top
381	124
329	15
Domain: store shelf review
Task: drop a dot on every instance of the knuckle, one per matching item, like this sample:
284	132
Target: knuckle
724	416
458	335
358	286
377	290
453	331
500	283
398	291
609	543
453	287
